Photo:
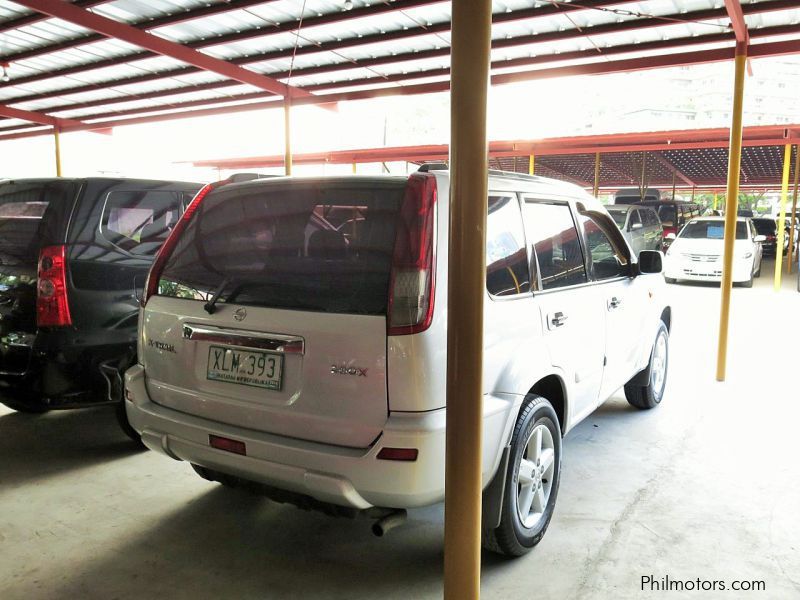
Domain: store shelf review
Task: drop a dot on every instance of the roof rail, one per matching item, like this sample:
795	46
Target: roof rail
434	166
239	177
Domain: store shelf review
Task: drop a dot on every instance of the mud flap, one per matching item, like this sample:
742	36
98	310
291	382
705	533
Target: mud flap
494	494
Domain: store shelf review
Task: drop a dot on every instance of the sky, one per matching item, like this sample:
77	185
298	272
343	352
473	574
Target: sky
531	110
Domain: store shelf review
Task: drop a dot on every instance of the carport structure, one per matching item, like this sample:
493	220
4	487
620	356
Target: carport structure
93	65
686	160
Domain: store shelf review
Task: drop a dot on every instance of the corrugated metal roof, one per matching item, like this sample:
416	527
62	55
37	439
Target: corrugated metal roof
65	69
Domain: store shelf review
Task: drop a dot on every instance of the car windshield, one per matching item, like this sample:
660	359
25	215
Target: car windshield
711	230
765	226
299	245
618	216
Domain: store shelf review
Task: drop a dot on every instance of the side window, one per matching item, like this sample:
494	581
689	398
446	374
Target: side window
636	219
140	221
507	271
606	260
650	219
552	233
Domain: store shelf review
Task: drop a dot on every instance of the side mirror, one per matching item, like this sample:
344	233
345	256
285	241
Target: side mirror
635	226
650	262
670	236
760	238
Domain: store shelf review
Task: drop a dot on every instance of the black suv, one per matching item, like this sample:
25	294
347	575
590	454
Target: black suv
74	256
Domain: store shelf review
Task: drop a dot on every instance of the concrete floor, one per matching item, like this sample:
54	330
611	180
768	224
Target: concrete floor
707	485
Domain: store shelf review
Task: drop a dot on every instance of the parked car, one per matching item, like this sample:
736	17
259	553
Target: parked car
73	253
634	195
696	253
674	215
279	354
639	225
769	229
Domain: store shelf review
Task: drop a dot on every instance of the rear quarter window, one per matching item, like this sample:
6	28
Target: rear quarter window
139	222
32	215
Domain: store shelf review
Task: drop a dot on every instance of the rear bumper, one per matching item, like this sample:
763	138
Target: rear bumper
58	367
349	477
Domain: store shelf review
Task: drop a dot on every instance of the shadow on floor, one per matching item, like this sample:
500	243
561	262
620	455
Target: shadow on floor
36	446
229	544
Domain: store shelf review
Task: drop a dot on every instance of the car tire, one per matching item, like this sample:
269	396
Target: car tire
528	507
758	273
748	283
670	279
124	424
649	396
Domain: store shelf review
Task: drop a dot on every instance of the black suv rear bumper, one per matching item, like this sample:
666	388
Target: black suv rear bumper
59	368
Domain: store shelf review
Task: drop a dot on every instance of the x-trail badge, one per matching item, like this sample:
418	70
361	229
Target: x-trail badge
240	314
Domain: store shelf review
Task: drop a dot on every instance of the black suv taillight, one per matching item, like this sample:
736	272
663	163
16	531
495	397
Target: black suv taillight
52	307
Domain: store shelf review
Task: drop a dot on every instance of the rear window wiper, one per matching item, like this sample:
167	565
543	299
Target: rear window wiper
211	305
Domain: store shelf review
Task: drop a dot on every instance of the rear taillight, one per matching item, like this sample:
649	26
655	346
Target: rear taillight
151	286
668	230
412	283
52	308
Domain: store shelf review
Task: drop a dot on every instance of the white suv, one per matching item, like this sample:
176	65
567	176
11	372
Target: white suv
293	339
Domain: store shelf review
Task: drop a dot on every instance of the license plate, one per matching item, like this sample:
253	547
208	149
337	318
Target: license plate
245	367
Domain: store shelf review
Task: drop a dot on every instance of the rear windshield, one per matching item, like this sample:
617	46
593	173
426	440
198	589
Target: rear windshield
302	245
667	214
22	210
618	216
712	230
765	226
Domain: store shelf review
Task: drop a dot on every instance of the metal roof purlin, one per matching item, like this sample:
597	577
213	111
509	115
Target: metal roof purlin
758	8
42	119
122	31
673	169
37	17
734	8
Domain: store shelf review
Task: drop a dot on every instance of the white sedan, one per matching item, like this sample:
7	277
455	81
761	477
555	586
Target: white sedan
696	253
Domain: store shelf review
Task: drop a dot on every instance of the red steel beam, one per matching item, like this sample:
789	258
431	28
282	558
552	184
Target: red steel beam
121	31
526	61
443	27
686	58
735	12
505	148
43	119
36	17
663	161
216	9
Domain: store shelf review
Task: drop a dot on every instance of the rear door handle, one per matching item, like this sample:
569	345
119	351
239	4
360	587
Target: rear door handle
557	320
614	303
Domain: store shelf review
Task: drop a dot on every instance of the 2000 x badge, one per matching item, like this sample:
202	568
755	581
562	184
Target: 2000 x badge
345	370
161	346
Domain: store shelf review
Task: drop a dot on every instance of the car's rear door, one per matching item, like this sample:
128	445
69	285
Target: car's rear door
296	345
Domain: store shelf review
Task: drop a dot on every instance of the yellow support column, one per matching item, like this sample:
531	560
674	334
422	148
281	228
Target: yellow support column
794	209
531	164
731	207
287	135
354	168
596	188
787	165
57	140
715	199
469	76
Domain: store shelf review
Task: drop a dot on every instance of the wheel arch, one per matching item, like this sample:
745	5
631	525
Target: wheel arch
553	389
666	317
